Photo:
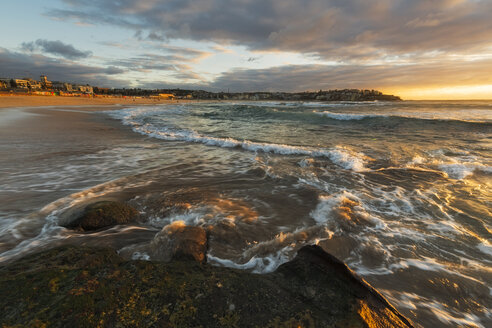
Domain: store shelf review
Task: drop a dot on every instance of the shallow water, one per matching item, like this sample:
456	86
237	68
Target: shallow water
401	192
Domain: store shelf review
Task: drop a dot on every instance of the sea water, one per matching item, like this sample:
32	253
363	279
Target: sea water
400	191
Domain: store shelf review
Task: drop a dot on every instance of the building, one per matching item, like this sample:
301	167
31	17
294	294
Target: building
4	83
33	84
21	83
84	88
45	83
168	96
62	86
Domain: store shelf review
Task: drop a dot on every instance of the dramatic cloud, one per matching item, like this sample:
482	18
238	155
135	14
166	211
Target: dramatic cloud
341	30
14	64
254	45
312	77
55	48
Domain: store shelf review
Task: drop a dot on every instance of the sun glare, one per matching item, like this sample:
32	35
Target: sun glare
446	93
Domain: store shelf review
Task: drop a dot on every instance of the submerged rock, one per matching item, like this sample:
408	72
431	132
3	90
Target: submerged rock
179	242
103	214
86	287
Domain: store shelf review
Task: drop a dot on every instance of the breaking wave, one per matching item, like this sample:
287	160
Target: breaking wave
481	118
341	156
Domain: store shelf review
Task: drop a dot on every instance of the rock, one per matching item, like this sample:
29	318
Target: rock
179	242
96	287
313	270
103	214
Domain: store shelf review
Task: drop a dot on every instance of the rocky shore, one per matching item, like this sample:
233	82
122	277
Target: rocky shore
95	287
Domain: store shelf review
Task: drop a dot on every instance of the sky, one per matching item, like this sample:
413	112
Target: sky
417	49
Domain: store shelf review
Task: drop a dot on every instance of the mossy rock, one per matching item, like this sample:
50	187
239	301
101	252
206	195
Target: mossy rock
179	242
88	287
102	215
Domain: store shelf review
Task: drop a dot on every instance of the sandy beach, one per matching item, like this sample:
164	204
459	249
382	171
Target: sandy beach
34	101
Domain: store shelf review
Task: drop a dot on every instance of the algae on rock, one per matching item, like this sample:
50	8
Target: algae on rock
87	287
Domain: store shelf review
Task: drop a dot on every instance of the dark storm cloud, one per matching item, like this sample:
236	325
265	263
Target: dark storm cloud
14	64
334	29
55	48
315	77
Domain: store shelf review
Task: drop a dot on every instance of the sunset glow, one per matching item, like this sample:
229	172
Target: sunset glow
417	49
476	92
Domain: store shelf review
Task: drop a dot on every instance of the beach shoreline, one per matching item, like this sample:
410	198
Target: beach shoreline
35	135
7	101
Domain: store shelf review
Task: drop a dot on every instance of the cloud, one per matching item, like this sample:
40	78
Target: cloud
294	78
291	78
15	64
453	72
343	30
174	61
174	65
55	48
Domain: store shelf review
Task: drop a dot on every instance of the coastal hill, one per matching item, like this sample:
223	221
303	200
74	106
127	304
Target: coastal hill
328	95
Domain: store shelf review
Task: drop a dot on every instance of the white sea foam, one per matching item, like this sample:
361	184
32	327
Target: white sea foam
446	316
462	170
306	162
477	116
342	104
348	117
265	264
324	211
140	256
443	312
485	247
458	166
193	217
347	159
55	213
341	156
417	159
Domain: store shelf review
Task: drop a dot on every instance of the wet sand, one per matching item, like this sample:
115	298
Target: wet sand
49	136
62	124
32	101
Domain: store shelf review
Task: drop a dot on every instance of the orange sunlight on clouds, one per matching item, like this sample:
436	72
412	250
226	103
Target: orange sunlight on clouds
445	92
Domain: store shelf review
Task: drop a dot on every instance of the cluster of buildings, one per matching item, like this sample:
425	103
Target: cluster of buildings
28	84
43	86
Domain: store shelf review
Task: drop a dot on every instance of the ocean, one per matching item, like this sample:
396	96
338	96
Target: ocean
400	191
